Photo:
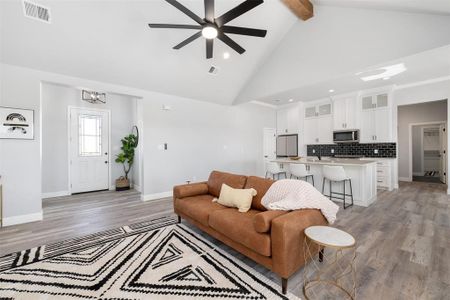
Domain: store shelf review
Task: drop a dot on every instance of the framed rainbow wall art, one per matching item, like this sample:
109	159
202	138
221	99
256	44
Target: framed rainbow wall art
16	123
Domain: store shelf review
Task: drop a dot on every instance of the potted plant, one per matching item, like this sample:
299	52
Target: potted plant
126	158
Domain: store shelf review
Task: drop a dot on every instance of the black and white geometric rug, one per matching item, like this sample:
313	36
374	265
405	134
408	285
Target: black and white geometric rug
158	259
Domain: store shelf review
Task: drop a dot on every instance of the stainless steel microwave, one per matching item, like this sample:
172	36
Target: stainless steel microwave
346	136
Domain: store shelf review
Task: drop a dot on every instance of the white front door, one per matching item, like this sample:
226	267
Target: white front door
269	145
443	153
89	150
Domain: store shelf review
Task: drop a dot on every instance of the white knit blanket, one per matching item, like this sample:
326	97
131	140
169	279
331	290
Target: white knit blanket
290	194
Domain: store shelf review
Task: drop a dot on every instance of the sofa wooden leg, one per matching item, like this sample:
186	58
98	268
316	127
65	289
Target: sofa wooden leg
284	284
321	255
179	219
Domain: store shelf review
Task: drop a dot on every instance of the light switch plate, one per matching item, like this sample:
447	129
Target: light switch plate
332	151
375	151
314	150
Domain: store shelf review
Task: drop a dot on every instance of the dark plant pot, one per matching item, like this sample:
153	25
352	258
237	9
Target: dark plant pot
122	184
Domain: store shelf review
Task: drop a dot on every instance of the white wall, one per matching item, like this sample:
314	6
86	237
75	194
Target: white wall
21	159
55	102
410	114
201	137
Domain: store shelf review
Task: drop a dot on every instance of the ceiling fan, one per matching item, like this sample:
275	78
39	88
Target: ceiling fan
211	27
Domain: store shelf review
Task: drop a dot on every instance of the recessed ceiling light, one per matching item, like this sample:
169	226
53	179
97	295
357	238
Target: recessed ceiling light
209	32
386	72
291	100
226	55
331	91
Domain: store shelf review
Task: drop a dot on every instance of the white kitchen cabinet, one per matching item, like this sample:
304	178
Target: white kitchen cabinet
318	130
325	130
288	120
376	119
318	123
344	113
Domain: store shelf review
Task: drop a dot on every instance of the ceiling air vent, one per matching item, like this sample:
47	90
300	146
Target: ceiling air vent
213	70
36	11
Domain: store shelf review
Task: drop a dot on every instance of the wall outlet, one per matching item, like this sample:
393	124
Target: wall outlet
375	151
332	151
314	150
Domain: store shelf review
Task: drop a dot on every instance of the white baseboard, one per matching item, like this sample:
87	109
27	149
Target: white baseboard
55	194
22	219
156	196
404	179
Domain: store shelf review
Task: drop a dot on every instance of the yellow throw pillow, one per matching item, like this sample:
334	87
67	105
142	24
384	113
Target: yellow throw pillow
240	198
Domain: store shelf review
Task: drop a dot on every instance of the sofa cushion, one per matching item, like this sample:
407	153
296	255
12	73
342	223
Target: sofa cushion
239	227
261	185
216	179
263	221
198	207
239	198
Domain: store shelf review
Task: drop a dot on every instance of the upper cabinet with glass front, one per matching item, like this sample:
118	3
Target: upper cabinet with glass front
376	118
318	110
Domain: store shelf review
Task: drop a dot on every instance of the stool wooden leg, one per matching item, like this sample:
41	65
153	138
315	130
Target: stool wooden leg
179	219
312	177
323	186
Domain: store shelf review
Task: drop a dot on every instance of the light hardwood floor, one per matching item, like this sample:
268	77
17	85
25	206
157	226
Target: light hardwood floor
403	240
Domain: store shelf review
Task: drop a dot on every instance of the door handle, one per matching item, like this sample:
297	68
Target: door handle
266	156
106	153
106	161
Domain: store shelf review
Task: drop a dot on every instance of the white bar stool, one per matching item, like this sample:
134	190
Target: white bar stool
273	169
299	171
337	174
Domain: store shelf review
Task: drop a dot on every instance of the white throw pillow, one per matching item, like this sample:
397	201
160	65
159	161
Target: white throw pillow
240	198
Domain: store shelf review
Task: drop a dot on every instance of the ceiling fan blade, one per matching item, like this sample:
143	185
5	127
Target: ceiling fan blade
230	43
175	26
186	11
188	40
209	48
244	31
209	10
237	11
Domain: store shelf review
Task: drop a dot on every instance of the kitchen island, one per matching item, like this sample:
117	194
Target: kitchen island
362	172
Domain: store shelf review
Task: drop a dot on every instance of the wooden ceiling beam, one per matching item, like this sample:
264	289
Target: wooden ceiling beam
302	8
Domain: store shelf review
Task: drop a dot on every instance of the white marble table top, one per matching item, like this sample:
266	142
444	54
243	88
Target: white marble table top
330	237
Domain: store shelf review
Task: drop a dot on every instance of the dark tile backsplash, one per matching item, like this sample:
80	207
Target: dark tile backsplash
367	150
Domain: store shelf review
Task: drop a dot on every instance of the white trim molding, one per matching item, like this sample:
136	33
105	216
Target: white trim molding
9	221
55	194
407	179
151	197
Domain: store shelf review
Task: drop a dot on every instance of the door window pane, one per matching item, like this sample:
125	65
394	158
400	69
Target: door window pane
90	135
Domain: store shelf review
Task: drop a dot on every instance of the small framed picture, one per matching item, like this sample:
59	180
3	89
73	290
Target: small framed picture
16	123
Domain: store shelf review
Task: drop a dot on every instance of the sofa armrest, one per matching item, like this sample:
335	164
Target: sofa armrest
288	235
189	190
263	220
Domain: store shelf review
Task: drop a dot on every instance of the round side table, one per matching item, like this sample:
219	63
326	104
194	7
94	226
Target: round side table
329	269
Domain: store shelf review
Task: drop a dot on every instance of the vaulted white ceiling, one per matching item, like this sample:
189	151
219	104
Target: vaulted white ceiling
110	41
340	41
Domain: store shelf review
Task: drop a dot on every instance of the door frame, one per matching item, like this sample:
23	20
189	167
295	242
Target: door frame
108	111
410	125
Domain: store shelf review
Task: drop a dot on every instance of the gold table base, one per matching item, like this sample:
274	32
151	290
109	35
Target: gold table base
321	270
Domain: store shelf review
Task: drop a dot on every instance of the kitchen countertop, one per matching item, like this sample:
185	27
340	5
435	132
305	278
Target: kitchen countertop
326	161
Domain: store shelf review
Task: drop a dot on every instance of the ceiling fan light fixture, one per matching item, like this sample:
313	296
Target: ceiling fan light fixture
209	32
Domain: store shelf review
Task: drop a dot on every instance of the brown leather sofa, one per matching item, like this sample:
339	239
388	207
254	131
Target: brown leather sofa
273	239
